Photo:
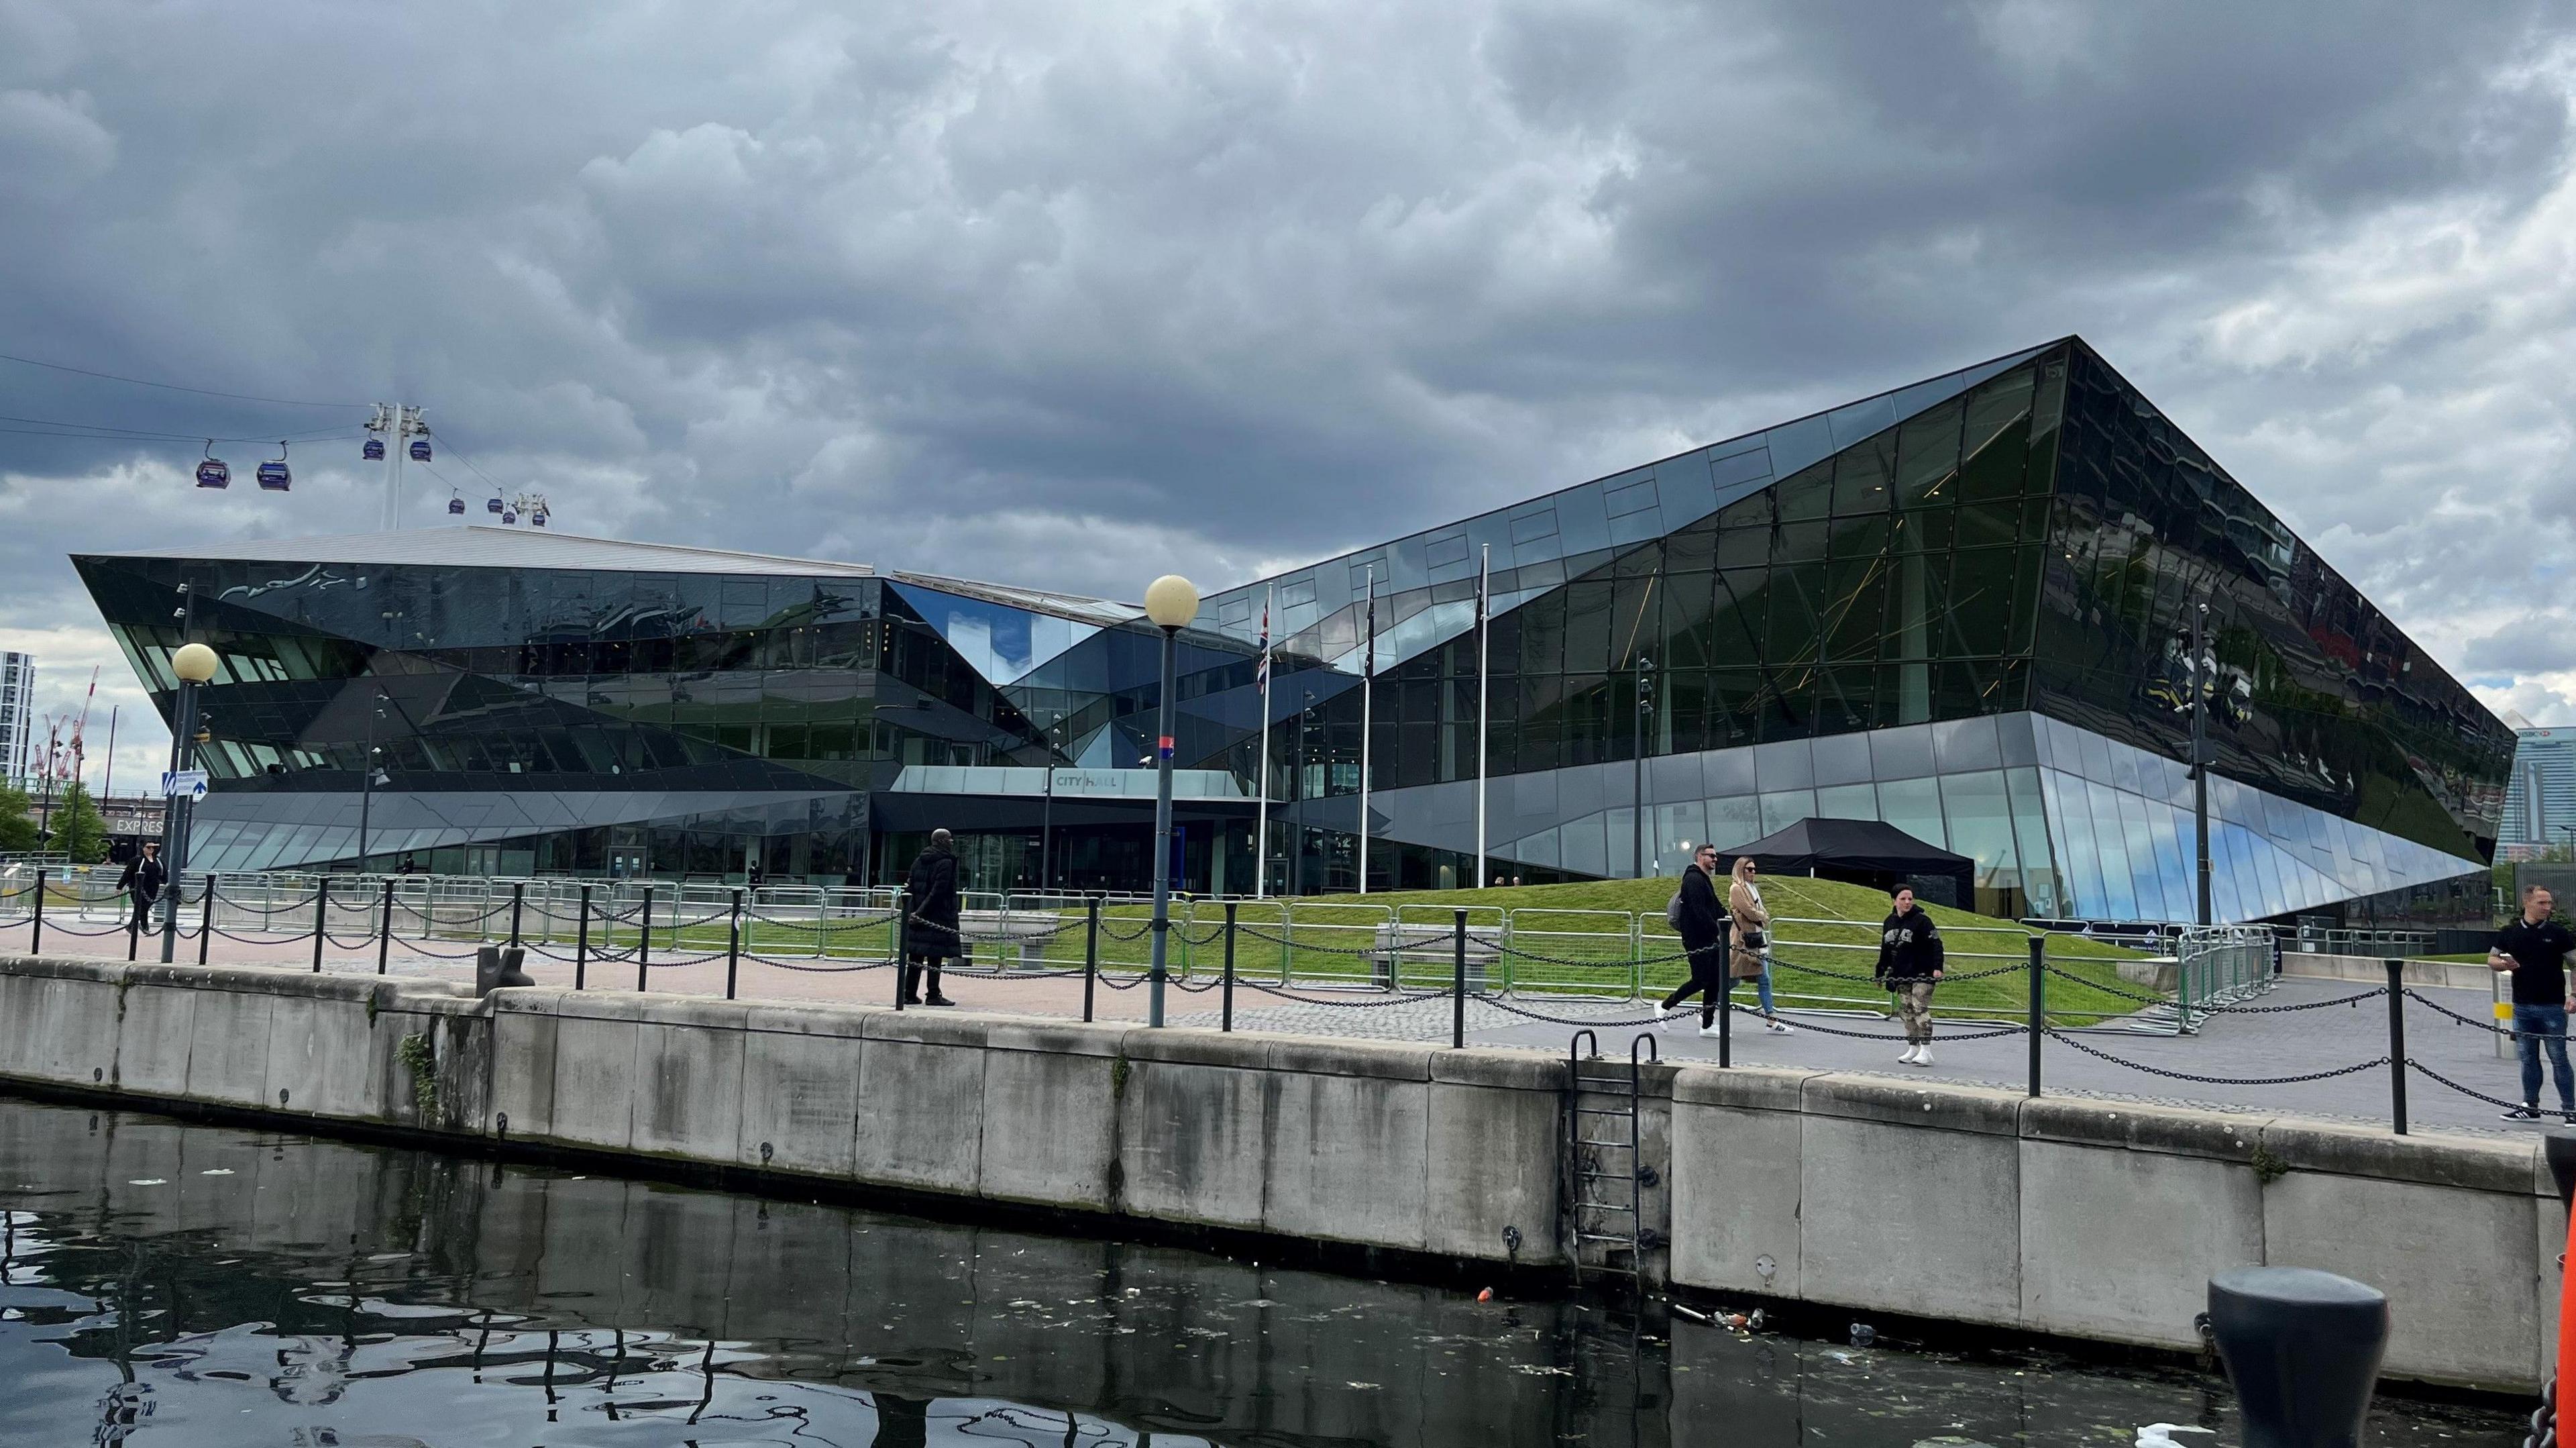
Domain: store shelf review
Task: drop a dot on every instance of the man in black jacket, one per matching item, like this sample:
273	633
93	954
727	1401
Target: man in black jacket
143	878
930	919
1701	922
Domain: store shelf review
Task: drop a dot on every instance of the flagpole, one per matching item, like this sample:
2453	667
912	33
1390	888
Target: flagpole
1484	617
1261	765
1368	693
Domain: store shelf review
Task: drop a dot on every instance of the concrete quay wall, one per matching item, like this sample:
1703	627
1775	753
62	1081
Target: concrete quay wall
2087	1219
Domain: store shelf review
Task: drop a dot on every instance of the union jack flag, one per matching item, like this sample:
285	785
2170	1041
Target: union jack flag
1261	672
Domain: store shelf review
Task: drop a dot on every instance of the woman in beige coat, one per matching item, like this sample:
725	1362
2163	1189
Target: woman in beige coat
1752	927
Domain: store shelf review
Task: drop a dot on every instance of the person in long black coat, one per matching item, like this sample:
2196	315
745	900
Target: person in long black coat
1702	925
143	878
930	919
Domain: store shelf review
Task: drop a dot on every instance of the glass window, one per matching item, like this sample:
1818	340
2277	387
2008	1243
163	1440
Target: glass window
1980	824
1927	454
2031	841
1847	802
1785	765
1965	744
1901	753
1734	820
1841	759
1783	808
1914	806
2119	886
1582	846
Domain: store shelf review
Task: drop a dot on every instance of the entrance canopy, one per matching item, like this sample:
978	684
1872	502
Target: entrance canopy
1863	852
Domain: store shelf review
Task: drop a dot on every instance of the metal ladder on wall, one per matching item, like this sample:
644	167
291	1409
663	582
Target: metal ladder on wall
1606	1173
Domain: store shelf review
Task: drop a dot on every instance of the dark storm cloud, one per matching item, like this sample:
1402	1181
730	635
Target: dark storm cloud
1072	297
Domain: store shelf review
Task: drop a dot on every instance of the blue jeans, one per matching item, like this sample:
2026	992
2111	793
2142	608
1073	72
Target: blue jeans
2533	1028
1761	986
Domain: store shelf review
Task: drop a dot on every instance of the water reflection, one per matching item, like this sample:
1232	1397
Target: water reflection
163	1283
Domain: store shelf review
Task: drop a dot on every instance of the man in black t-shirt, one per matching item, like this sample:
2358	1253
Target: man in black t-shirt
2534	949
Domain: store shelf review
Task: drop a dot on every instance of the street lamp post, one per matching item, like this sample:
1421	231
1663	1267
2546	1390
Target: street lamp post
2200	758
1170	601
1046	815
194	664
1297	881
367	775
1637	793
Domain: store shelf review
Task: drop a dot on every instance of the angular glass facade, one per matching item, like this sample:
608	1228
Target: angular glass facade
1960	607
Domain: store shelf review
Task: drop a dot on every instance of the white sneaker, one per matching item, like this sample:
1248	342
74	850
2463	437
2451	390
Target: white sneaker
1923	1055
1712	1032
1908	1058
1777	1028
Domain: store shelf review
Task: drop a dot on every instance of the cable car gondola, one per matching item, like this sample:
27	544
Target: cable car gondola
455	504
493	504
420	449
212	473
374	451
273	476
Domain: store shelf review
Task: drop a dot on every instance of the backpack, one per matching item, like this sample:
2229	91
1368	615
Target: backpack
1673	911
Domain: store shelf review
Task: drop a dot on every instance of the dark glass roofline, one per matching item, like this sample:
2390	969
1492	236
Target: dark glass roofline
1612	510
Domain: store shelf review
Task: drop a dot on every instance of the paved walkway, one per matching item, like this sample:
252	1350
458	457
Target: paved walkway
2251	1048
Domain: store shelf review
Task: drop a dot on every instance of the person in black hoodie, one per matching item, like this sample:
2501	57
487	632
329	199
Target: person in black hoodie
930	919
1701	920
143	878
1909	961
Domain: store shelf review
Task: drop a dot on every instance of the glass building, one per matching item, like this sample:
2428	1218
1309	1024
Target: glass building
1961	607
2540	796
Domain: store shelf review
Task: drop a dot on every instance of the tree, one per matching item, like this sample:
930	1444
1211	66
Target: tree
17	821
79	830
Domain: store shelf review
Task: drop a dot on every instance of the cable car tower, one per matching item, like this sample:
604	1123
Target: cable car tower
396	432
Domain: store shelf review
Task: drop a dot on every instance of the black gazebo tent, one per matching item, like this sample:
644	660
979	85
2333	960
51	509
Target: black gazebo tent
1863	852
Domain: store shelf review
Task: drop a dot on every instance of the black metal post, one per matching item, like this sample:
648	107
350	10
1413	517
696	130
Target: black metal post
2397	1044
581	943
36	937
1637	789
1225	1019
2038	1004
1457	983
733	945
206	920
133	933
644	937
1726	997
518	901
1090	956
321	917
385	928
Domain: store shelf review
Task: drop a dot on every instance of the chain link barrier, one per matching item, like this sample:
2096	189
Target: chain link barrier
2374	1063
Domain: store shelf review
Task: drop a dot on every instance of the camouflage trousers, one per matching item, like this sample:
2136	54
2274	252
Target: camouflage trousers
1914	1007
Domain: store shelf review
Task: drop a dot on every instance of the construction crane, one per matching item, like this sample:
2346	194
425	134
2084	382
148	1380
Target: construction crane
80	751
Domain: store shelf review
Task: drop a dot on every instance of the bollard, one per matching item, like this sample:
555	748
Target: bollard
2302	1348
133	933
385	928
1091	957
2038	1005
206	920
1225	1018
496	966
1458	985
1726	997
581	942
321	917
644	938
733	945
36	937
2397	1044
518	899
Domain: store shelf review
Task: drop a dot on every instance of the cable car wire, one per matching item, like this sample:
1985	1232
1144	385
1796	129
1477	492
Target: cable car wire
106	432
173	387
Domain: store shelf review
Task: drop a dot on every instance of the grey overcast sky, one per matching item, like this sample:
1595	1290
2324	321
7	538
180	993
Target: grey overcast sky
1075	295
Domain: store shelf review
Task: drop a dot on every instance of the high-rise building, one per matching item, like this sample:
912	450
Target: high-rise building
2540	799
1960	607
18	714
